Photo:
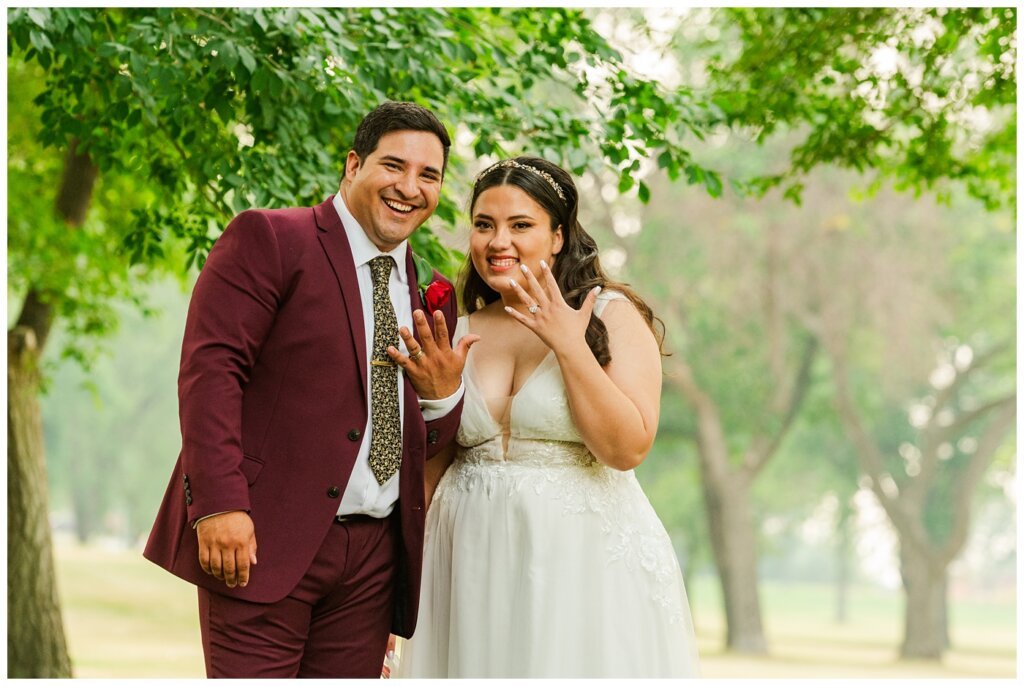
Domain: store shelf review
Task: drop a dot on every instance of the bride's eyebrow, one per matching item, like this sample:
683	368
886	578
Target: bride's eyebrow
515	217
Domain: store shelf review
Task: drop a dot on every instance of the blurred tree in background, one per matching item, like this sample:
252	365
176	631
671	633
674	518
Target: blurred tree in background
903	301
923	99
919	95
150	128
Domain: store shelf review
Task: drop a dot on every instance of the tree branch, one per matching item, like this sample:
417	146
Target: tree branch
871	462
947	393
934	435
36	316
764	447
72	205
966	485
76	184
947	433
711	445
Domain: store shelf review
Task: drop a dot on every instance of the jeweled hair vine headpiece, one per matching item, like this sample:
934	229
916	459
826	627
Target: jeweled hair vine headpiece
512	163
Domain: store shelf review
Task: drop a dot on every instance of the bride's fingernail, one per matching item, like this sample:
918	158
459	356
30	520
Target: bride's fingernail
597	290
512	283
524	268
543	264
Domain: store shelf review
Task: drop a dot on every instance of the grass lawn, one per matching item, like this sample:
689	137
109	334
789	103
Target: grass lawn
125	617
805	640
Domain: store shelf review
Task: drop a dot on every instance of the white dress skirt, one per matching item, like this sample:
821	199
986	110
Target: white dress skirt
538	560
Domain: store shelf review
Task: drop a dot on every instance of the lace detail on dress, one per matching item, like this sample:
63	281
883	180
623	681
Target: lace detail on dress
569	473
546	455
526	526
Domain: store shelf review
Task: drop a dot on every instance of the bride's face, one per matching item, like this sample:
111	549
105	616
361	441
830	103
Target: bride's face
510	229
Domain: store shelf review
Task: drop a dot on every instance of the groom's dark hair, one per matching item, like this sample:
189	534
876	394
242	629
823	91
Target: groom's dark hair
398	116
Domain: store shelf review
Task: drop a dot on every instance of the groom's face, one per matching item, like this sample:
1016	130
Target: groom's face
395	188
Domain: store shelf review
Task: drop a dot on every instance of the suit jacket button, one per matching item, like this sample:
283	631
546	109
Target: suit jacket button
188	500
354	435
333	492
432	436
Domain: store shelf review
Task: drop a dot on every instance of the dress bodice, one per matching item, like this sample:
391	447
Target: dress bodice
540	424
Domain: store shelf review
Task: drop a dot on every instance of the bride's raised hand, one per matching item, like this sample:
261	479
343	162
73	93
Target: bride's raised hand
547	314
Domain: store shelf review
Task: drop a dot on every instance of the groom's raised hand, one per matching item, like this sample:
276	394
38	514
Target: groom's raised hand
227	546
434	367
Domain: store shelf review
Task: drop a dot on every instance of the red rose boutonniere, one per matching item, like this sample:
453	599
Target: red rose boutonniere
434	294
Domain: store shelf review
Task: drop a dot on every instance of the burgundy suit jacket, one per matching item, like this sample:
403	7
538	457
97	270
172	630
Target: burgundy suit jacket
272	395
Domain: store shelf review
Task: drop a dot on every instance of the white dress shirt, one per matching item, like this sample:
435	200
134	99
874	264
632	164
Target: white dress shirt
364	495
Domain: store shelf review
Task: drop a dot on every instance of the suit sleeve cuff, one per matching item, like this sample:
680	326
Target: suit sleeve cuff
196	523
435	409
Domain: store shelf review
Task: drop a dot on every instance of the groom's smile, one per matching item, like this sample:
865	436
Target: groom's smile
396	188
399	207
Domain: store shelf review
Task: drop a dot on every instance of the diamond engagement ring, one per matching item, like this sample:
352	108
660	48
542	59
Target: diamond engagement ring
533	309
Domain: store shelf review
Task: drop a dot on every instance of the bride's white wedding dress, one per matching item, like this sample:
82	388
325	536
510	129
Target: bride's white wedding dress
539	561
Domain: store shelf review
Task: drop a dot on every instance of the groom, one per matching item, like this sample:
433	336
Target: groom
296	505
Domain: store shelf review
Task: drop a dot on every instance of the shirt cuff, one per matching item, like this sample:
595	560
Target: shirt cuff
213	515
435	409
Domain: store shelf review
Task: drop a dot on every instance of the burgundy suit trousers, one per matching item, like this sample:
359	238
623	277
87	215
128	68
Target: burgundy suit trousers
334	624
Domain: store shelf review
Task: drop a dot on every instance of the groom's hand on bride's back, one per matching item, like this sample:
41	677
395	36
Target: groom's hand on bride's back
227	546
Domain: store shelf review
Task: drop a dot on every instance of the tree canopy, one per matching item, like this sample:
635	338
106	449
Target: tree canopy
217	110
919	95
190	115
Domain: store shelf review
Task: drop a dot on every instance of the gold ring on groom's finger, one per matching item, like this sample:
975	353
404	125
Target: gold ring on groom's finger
533	309
417	355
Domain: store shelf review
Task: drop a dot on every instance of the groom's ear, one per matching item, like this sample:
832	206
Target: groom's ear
352	163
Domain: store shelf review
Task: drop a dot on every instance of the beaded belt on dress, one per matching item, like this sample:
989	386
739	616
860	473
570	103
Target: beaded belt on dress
528	452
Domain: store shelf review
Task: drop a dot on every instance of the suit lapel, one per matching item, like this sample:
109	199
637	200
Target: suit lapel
332	237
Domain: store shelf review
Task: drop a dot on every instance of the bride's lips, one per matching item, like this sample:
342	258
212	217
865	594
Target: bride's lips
502	263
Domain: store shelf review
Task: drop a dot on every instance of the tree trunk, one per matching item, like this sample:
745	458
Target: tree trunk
35	631
85	518
925	622
36	646
690	550
734	546
84	497
843	545
727	500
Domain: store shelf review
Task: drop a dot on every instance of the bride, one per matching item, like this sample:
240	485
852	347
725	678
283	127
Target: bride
543	557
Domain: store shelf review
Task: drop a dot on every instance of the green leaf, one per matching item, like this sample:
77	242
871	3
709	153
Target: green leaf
227	53
424	271
260	79
713	184
248	59
644	193
39	16
40	41
261	20
274	85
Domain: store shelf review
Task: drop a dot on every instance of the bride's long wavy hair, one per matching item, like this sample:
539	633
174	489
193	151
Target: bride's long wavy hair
576	267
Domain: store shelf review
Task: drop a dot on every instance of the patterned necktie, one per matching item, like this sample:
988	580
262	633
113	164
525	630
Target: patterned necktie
386	439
